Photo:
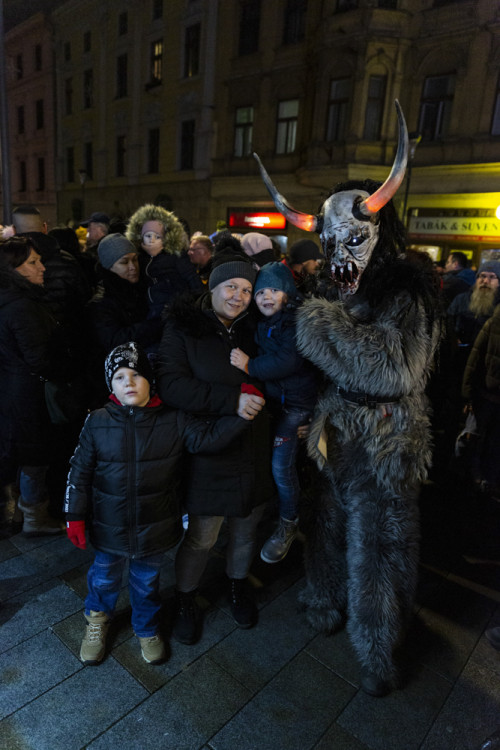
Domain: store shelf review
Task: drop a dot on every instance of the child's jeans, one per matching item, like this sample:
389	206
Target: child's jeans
104	580
286	445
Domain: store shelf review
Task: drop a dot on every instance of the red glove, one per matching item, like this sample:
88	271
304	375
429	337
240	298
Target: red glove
249	388
76	533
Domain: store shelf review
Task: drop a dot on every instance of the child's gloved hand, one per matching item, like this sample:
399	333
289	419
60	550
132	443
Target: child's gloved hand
76	533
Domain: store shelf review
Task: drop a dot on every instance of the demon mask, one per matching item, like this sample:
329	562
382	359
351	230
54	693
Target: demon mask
347	223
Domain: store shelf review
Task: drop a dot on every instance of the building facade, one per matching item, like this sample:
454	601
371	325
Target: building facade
167	101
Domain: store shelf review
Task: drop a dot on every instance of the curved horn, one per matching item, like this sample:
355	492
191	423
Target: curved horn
299	219
383	195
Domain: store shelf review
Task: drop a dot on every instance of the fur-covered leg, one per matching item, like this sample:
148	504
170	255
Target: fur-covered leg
325	564
382	559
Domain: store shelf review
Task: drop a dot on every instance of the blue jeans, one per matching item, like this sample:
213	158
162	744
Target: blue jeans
201	535
286	445
104	580
32	487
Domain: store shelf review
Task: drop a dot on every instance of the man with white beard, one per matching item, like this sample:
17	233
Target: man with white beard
470	310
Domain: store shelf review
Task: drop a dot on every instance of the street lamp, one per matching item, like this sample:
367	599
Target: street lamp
83	180
413	141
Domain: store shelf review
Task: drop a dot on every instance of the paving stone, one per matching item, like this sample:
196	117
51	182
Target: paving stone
31	668
255	656
7	550
473	704
400	720
335	652
29	613
216	626
294	710
75	711
183	715
337	738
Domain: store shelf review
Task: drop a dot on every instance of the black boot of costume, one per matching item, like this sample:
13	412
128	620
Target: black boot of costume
243	608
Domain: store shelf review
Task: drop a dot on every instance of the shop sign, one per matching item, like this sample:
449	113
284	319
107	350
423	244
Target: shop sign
239	218
476	229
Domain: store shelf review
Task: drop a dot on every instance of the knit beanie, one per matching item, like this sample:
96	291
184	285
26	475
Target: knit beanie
490	266
112	247
229	264
128	355
276	276
304	250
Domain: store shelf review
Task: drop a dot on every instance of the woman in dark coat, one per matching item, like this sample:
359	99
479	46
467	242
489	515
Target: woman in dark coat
195	375
28	356
118	311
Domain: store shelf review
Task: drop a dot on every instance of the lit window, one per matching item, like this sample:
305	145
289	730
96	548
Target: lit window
286	132
156	61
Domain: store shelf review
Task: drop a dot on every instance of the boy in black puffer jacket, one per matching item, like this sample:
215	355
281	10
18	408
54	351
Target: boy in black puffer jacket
124	471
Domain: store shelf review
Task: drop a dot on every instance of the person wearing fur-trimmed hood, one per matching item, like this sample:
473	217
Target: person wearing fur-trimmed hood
159	237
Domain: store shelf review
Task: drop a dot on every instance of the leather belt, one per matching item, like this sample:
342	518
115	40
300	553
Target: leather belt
364	399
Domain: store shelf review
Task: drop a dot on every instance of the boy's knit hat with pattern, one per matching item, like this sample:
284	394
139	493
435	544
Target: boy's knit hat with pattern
128	355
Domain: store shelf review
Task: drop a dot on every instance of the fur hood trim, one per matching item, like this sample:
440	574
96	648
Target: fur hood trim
175	237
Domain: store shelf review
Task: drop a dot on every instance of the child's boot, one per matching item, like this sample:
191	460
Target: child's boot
94	643
278	544
153	649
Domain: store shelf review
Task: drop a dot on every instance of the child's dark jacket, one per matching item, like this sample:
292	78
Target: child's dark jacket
124	471
290	380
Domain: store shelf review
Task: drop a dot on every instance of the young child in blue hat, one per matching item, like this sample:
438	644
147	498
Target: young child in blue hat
290	390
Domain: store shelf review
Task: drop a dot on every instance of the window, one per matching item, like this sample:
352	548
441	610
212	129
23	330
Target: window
187	144
87	41
70	164
495	125
39	114
120	155
154	151
435	107
249	27
88	88
40	173
19	67
156	62
122	23
294	21
192	50
20	119
157	9
22	177
121	76
38	56
374	108
68	96
88	159
67	51
243	131
286	132
338	109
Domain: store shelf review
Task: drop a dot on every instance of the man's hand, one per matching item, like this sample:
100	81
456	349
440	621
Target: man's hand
239	359
249	406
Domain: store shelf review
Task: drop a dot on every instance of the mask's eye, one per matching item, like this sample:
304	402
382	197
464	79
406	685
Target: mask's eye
357	239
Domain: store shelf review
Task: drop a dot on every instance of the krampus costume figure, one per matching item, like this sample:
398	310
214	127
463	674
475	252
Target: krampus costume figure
373	336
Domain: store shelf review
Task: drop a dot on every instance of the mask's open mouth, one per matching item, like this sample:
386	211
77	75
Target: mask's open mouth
346	275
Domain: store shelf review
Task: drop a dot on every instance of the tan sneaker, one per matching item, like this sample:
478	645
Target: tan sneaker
153	649
94	643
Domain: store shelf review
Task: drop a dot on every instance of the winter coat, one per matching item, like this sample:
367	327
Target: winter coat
195	374
28	355
125	472
116	314
465	324
168	275
482	372
289	379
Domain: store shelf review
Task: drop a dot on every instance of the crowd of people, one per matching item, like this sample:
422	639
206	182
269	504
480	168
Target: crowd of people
161	370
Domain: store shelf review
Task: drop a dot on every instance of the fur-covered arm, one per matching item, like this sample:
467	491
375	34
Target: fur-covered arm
385	352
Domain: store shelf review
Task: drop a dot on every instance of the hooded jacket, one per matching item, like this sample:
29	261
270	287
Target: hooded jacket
124	472
195	374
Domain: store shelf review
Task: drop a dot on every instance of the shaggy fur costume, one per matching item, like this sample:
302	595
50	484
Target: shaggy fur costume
362	545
